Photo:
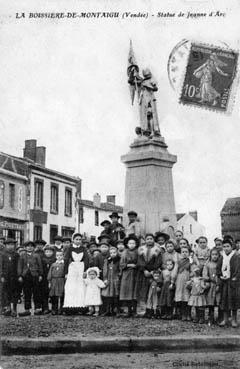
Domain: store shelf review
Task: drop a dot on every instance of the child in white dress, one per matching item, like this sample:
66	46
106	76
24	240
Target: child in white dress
93	290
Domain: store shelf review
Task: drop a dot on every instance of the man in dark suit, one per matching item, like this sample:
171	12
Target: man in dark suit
30	272
9	278
116	228
2	240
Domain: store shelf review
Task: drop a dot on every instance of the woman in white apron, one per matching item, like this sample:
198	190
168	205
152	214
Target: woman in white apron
76	263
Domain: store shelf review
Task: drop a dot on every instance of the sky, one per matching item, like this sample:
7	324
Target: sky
63	82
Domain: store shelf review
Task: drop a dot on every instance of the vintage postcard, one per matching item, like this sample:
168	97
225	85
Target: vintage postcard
119	184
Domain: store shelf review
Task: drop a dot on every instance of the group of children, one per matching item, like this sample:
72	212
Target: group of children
161	277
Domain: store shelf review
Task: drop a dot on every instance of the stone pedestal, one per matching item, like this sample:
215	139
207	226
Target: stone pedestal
149	185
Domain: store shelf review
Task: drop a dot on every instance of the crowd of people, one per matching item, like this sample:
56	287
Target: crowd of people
125	275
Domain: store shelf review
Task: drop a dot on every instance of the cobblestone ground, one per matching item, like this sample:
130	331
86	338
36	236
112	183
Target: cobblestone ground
125	361
44	326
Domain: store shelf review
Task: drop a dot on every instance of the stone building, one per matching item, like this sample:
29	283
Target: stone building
230	217
13	198
92	213
48	196
189	225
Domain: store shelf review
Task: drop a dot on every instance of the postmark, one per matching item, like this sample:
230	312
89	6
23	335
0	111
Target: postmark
177	63
209	77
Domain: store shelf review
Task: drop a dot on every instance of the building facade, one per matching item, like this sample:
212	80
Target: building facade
13	198
49	197
230	218
92	213
189	225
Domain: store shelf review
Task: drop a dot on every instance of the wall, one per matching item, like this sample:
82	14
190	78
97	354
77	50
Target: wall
230	224
88	226
20	203
59	219
197	229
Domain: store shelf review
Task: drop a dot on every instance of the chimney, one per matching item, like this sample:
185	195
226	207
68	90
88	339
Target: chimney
111	199
96	200
41	155
79	189
29	151
194	214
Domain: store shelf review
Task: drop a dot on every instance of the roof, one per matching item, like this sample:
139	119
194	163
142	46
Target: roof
22	165
180	215
231	206
12	164
103	206
193	214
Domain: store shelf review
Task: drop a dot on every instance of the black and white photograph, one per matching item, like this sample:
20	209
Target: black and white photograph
119	184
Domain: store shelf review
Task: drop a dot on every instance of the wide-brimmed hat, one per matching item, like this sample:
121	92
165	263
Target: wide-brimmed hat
104	243
92	243
29	243
10	240
105	222
227	237
132	212
58	238
228	240
161	234
103	236
131	237
20	247
119	241
114	215
40	242
64	239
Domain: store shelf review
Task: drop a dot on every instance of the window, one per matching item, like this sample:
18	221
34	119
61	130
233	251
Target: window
54	199
38	194
68	202
81	215
191	228
11	195
19	237
67	231
2	187
96	218
37	232
53	232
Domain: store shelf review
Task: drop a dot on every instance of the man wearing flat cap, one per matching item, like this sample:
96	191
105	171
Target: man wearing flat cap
39	250
9	277
30	274
106	224
133	227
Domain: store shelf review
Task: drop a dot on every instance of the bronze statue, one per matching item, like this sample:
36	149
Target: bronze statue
145	87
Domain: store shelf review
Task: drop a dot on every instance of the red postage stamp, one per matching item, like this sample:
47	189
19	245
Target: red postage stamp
209	77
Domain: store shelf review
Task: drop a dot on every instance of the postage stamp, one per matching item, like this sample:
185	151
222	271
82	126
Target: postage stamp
209	77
